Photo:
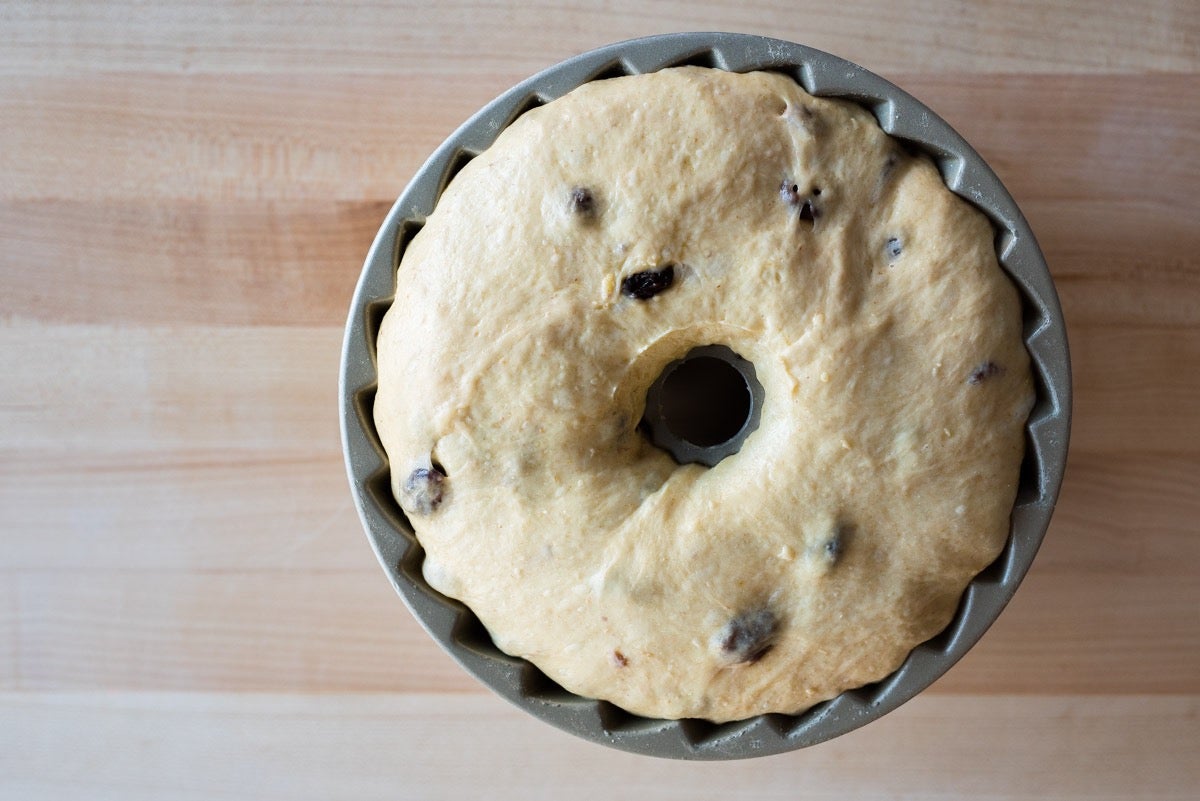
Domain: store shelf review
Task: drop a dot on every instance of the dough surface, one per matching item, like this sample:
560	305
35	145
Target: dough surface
513	371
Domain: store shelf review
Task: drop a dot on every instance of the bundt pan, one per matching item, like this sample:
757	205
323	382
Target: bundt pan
461	633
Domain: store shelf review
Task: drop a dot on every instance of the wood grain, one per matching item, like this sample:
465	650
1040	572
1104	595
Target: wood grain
1135	389
1119	514
1121	264
188	606
116	387
188	746
189	137
345	631
400	37
241	263
312	631
1116	261
179	511
349	137
1109	605
272	388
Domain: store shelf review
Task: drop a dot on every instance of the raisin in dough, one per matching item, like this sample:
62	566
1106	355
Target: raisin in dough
534	310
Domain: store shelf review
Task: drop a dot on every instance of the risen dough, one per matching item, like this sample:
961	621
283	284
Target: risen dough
886	338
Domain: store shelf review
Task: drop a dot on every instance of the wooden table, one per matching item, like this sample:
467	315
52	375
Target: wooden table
188	606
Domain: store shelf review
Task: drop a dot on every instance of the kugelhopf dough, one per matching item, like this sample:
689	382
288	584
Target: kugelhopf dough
603	236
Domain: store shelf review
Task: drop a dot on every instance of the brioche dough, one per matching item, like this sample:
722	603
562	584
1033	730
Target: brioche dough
515	361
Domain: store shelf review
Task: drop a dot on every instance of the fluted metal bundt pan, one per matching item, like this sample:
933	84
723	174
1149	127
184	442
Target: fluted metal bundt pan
460	632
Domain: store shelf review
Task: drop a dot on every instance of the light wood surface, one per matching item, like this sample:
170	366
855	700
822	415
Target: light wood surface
188	606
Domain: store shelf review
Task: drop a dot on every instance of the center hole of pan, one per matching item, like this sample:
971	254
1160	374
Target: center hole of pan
705	401
703	406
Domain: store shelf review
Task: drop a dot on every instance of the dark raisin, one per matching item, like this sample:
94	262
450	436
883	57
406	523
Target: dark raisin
619	659
894	248
839	540
748	637
583	202
985	371
833	548
423	490
647	284
790	193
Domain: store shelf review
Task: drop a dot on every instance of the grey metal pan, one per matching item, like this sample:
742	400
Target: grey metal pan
457	629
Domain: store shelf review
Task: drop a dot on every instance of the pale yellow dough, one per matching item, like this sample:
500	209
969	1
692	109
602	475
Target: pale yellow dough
511	360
